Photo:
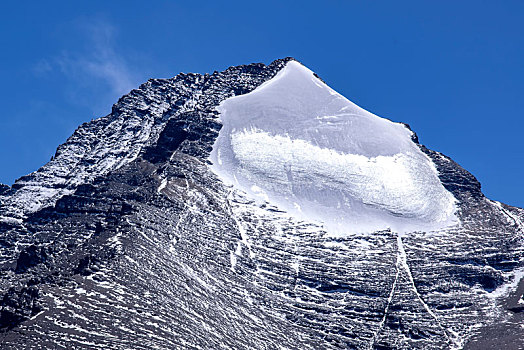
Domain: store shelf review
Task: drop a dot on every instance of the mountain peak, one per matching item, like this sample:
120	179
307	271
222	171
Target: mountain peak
312	152
135	125
254	201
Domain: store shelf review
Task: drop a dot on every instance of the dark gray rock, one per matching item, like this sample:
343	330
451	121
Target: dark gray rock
3	189
126	239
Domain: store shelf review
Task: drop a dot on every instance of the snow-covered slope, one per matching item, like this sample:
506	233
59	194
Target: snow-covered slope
298	144
128	239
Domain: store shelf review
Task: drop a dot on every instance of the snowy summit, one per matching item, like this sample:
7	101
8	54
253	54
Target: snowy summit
298	144
327	227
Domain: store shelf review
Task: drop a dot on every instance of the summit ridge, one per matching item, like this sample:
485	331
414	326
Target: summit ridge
171	223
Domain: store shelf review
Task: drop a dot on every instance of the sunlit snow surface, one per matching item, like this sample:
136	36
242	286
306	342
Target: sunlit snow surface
297	144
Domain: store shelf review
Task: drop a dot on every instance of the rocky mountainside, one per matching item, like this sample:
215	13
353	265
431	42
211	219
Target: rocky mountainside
255	208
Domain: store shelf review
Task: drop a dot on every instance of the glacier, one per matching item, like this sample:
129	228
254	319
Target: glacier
127	238
299	145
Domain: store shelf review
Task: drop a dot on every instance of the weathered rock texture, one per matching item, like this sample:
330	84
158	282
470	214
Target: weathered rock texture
126	240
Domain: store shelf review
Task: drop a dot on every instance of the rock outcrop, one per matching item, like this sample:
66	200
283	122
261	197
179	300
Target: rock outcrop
127	239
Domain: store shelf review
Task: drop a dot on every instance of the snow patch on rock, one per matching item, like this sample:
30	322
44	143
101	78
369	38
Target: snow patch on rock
298	144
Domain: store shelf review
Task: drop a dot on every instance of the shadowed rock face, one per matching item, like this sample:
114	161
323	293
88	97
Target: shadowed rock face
127	239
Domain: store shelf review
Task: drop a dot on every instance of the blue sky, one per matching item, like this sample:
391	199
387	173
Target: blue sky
453	70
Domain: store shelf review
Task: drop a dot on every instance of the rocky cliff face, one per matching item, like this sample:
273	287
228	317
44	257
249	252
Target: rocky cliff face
128	239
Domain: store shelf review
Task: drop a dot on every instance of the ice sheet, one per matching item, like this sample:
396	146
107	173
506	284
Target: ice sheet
301	146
